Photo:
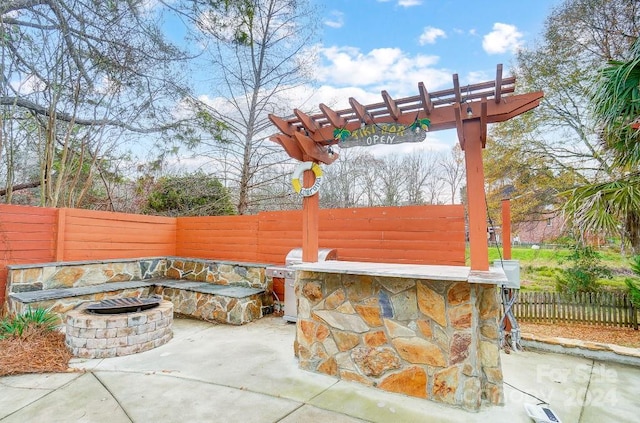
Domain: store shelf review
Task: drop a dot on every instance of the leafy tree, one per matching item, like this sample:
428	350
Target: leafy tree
196	194
561	139
614	205
516	172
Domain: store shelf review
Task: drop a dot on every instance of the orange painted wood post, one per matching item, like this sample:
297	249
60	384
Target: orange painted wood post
310	221
476	202
506	228
61	223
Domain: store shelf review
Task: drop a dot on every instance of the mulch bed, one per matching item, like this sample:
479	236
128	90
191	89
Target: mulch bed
36	351
626	337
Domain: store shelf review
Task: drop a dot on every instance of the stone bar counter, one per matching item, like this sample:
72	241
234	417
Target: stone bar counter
425	331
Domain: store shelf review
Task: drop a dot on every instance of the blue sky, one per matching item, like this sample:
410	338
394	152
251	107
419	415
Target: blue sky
373	45
465	36
366	46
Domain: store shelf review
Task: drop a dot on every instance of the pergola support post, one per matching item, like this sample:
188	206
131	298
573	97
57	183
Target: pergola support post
310	221
506	228
476	200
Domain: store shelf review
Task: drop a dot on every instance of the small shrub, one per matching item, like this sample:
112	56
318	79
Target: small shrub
634	290
546	271
583	272
38	318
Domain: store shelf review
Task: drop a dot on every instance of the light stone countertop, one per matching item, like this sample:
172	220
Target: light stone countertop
414	271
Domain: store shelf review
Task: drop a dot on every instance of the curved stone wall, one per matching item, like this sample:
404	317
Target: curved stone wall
111	335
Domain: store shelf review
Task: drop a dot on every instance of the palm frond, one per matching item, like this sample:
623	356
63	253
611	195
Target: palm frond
604	206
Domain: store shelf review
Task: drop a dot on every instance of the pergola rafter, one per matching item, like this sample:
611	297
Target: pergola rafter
446	109
468	109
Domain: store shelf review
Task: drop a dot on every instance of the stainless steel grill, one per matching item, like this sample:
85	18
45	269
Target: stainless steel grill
289	275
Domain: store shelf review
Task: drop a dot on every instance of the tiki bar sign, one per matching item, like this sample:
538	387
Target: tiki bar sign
382	133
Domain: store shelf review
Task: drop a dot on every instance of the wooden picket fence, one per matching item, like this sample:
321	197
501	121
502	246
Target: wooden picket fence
609	308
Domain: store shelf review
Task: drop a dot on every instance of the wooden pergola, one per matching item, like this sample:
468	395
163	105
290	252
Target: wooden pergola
468	109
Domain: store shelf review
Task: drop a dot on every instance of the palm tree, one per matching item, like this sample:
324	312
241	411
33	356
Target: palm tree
614	206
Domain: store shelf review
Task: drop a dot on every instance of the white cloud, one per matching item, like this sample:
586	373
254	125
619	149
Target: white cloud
382	68
404	3
475	77
409	3
430	34
29	85
335	19
307	98
503	38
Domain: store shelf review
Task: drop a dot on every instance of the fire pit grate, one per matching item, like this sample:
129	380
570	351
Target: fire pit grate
123	305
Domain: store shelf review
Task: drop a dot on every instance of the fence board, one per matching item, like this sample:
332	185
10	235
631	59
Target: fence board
27	235
608	308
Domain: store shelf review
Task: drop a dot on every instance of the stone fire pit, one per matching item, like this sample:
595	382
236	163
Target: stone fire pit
111	335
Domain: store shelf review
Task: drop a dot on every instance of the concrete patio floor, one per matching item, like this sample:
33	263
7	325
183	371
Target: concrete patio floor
217	373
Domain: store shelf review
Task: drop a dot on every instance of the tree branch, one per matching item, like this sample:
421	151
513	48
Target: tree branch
66	117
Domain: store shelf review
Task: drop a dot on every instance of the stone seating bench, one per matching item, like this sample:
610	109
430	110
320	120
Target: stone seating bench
211	298
34	297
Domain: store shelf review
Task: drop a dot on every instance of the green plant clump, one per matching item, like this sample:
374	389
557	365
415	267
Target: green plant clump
634	290
583	272
39	318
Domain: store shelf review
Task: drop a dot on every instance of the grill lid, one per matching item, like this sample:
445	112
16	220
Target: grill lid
123	305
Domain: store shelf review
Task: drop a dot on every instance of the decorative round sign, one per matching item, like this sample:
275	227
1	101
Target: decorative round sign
297	175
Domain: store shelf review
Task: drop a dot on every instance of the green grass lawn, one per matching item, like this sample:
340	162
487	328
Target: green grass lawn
538	267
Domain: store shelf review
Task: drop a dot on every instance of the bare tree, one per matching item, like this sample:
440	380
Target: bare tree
76	78
259	57
421	181
345	179
391	180
453	171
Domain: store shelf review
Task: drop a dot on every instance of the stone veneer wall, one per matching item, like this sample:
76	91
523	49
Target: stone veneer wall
430	339
213	308
220	273
39	277
34	277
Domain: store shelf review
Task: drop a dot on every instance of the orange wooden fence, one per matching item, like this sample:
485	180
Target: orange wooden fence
96	235
218	237
413	234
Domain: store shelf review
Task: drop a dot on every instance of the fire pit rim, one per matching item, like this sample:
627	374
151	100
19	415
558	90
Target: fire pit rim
123	305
